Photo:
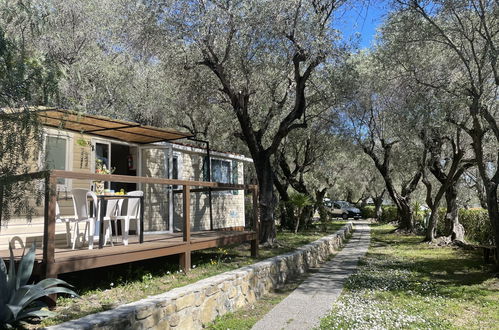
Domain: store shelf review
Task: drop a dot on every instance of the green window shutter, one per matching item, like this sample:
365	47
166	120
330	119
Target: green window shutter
235	175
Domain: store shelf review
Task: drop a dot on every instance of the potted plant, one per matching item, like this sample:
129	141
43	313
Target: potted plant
101	168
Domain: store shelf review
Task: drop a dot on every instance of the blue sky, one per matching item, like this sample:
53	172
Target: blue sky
362	21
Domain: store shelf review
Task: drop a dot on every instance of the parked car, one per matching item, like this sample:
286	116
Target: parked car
344	210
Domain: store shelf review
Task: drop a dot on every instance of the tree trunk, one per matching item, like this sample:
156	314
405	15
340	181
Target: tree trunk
492	207
287	211
319	199
490	184
431	231
297	217
286	215
267	201
406	221
402	200
378	210
480	190
307	215
453	228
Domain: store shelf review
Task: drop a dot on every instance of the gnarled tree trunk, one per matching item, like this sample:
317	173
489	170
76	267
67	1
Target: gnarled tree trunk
378	202
402	200
453	228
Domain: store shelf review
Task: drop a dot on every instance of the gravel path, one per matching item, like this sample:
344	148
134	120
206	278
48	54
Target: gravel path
313	299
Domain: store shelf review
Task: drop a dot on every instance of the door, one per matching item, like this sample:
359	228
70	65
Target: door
101	157
157	162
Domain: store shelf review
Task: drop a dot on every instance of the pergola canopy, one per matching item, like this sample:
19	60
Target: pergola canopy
106	127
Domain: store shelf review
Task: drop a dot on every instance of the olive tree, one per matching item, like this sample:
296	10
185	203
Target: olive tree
264	56
383	117
27	77
466	34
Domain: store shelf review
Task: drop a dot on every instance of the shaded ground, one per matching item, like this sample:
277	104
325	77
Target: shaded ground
403	283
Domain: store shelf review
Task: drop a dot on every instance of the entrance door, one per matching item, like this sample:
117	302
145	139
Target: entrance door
123	162
157	162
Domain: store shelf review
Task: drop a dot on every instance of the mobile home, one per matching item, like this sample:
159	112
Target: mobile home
79	143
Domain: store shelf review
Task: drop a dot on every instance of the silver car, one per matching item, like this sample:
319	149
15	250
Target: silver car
344	210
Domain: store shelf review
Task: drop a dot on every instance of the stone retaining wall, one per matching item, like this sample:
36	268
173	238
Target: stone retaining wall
191	306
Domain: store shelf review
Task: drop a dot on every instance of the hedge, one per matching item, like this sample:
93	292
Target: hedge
475	221
477	225
368	211
389	213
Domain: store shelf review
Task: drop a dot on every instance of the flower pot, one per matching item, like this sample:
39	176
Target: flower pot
99	187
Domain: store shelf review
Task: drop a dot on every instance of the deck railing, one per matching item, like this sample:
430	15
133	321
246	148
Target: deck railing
50	178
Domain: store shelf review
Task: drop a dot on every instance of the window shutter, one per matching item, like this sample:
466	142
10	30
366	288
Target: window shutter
235	175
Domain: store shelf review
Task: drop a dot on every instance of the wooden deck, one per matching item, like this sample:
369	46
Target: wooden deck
154	246
53	259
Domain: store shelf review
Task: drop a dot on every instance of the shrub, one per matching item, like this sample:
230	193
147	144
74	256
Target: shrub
299	201
390	214
368	211
477	225
20	300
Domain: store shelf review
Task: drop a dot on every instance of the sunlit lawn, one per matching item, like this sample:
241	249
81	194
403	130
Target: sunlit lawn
105	288
403	283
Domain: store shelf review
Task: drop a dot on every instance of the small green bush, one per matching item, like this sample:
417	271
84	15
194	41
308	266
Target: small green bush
475	221
390	214
441	220
477	225
368	211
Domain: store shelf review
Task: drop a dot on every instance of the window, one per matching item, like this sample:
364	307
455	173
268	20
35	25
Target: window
56	154
174	169
220	171
223	171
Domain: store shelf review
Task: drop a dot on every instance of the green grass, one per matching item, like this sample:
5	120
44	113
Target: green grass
105	288
403	283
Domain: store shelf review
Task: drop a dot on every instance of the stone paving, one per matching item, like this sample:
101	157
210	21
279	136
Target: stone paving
313	299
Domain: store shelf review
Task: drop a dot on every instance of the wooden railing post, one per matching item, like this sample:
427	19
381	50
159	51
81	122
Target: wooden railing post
185	257
256	225
49	232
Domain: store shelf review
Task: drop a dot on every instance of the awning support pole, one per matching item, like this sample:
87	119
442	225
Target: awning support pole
209	176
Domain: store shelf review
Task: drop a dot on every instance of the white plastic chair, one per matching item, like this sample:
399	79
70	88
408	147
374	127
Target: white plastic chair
112	209
80	204
65	220
132	213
